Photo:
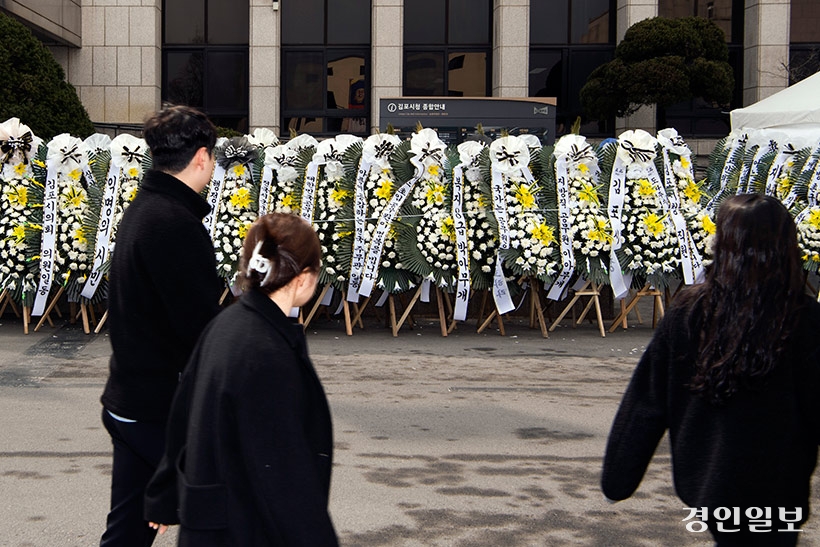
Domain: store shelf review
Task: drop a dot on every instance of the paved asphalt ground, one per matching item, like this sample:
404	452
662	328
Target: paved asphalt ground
469	440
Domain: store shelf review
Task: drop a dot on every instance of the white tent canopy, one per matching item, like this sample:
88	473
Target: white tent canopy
795	110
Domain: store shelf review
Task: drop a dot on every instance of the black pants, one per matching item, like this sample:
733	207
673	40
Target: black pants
138	448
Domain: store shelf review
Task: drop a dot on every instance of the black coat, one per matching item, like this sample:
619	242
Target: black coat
251	436
164	289
757	450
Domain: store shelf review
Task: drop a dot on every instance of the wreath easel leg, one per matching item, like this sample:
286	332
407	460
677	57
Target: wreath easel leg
397	325
46	315
316	305
657	310
442	319
536	309
103	319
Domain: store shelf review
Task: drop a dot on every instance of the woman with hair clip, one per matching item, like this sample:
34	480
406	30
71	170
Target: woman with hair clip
733	373
250	442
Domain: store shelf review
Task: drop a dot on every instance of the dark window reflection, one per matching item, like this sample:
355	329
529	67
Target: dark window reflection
349	22
548	21
477	13
424	74
424	21
721	12
325	87
804	61
303	86
184	73
229	90
805	22
467	75
205	58
228	22
184	21
303	22
590	21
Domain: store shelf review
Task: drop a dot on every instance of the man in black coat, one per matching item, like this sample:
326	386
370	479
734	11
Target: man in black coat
164	289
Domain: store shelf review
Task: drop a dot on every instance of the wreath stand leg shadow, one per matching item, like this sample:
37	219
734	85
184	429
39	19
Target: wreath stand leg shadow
657	310
592	290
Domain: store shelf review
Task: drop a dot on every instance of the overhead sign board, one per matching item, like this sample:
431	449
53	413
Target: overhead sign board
456	117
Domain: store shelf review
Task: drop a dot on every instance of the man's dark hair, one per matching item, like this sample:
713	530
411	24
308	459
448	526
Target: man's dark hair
174	134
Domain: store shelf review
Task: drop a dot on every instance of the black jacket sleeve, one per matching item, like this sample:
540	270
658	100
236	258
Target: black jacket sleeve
640	422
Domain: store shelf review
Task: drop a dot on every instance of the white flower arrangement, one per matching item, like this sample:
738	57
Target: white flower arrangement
808	236
649	247
379	186
15	275
330	198
236	209
285	195
481	242
590	229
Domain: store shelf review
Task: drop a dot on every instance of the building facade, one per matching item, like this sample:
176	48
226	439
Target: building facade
321	66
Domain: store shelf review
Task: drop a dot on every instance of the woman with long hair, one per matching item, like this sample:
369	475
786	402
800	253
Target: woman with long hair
250	441
733	373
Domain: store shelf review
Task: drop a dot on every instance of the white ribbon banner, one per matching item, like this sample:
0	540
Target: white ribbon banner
104	230
217	182
690	258
49	240
567	254
374	254
309	191
501	293
360	227
617	187
462	249
265	189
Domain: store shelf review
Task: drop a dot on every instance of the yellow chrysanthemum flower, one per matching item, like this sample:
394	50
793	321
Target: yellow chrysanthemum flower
654	224
684	162
433	170
133	172
645	188
708	225
583	168
243	230
18	196
385	189
287	201
74	197
241	198
239	170
20	169
600	232
79	235
435	193
589	193
543	233
18	233
692	192
339	194
448	228
814	218
132	194
784	185
75	174
524	196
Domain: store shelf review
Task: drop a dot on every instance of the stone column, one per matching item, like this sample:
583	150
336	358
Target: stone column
387	54
117	70
765	48
629	13
265	65
511	48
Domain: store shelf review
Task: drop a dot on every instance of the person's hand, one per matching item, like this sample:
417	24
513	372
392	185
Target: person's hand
160	528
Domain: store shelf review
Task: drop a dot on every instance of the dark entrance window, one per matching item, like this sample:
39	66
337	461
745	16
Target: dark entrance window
697	118
205	58
804	50
568	40
447	48
325	67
